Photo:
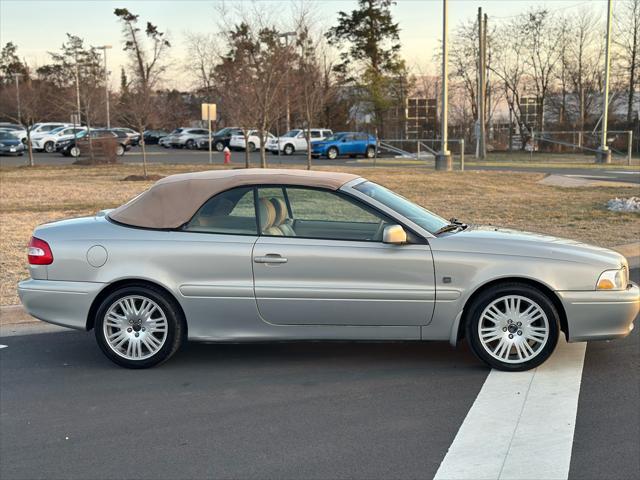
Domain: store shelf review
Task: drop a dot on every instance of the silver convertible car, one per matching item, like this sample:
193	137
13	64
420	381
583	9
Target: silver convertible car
261	255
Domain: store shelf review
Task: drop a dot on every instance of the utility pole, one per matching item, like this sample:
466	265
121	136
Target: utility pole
443	158
288	106
481	148
603	155
17	77
104	49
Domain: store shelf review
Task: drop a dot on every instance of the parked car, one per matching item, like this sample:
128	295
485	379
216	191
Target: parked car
296	140
47	140
267	254
10	144
166	140
237	142
134	137
345	143
101	139
188	137
124	141
220	139
46	127
152	137
15	129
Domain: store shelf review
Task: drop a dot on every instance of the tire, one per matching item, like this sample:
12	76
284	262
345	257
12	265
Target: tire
74	152
252	147
120	150
503	343
218	146
135	345
332	153
189	144
370	152
49	147
288	149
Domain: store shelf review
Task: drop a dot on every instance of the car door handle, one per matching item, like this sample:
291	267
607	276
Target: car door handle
270	258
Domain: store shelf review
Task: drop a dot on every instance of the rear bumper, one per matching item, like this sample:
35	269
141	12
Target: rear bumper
601	315
61	303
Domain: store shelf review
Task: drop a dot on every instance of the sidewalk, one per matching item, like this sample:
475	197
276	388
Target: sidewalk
15	314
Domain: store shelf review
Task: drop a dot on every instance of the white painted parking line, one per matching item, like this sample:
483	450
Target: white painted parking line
2	346
629	172
521	425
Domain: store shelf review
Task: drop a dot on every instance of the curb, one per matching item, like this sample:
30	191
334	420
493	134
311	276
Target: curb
16	315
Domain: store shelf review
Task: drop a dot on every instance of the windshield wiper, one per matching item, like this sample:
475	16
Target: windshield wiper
454	224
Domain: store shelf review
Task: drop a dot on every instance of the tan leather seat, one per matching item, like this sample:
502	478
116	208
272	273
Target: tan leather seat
282	220
267	214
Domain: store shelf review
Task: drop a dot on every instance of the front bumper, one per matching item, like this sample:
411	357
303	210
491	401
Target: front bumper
12	149
61	303
601	315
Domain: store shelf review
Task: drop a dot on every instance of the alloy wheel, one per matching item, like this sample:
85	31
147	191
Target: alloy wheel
513	329
135	327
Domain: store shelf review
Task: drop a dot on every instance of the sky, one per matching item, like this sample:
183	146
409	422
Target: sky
39	26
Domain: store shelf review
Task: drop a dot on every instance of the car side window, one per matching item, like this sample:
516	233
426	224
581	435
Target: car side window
312	213
231	212
315	134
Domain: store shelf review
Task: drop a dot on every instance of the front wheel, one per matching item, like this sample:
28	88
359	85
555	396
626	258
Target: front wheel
289	149
513	327
252	147
120	150
49	147
139	326
190	143
332	153
74	152
218	146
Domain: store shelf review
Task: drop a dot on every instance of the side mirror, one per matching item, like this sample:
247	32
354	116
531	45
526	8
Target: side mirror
394	234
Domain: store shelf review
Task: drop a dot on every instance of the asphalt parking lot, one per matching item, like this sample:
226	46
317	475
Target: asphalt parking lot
295	410
158	154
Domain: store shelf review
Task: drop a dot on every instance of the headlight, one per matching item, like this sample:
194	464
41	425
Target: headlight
613	280
1	144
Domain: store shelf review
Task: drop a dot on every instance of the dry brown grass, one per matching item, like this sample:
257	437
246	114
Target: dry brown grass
30	196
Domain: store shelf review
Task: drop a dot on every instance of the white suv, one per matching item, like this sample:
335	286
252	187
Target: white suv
296	140
188	137
47	140
253	141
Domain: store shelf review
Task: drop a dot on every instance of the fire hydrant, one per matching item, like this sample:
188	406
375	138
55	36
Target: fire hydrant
227	155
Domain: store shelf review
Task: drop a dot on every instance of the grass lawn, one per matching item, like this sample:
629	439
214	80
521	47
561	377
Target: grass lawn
31	196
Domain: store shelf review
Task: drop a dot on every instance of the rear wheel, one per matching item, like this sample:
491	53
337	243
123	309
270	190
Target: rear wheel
370	152
49	147
252	147
74	152
219	146
513	327
332	153
139	326
120	150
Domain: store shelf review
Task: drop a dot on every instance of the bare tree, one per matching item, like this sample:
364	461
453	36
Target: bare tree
146	52
627	39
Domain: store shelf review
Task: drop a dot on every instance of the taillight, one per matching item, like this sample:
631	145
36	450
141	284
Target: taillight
39	252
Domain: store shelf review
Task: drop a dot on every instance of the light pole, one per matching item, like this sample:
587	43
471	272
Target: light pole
104	49
443	158
288	106
17	77
603	155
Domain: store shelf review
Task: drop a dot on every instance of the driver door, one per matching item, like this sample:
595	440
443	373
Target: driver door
329	265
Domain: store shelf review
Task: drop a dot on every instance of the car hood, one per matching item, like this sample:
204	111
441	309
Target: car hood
503	241
10	141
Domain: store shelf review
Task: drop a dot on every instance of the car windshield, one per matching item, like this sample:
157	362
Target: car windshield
6	136
57	130
223	131
335	137
418	215
291	134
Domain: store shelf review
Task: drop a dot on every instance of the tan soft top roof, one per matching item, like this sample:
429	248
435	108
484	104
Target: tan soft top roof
172	201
